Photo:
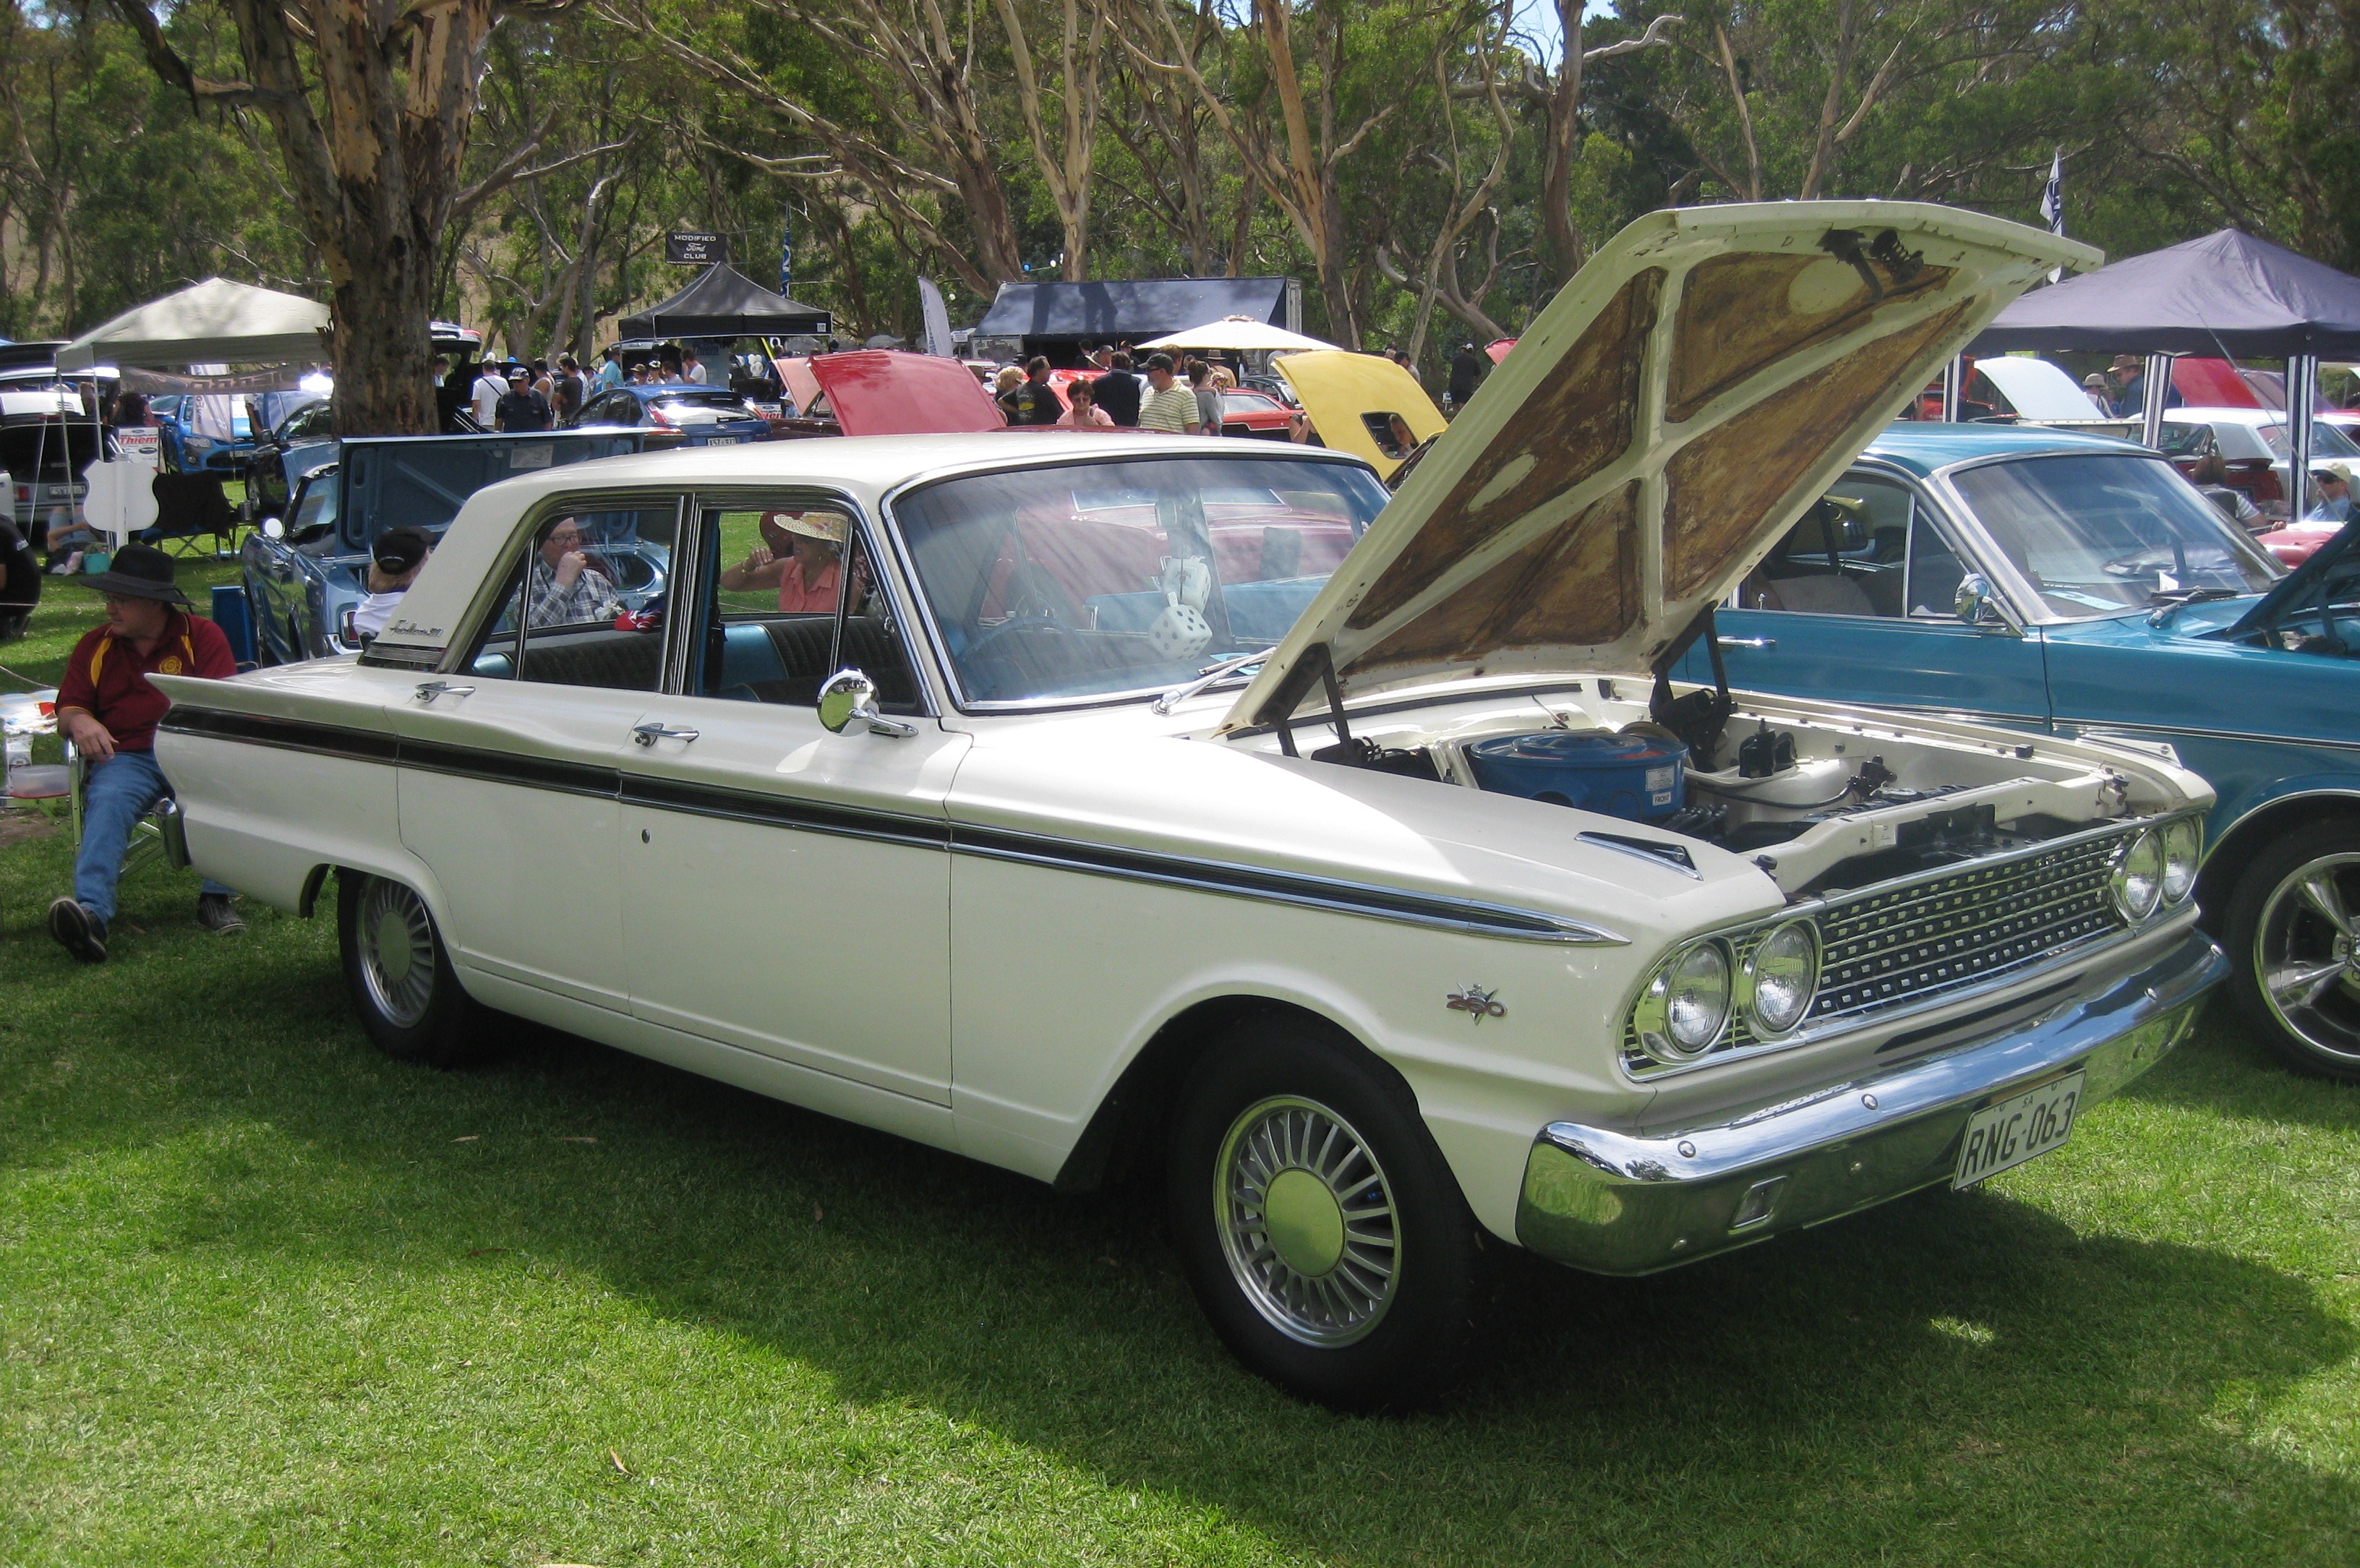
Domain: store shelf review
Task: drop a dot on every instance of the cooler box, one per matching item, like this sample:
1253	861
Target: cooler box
1638	776
234	615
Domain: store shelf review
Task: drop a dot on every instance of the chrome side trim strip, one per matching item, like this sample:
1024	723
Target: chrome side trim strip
2095	729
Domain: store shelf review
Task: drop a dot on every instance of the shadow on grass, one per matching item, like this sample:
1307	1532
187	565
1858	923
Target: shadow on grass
1946	1375
2224	1070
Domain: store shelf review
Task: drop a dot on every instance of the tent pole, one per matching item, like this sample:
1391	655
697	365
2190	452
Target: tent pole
1954	379
2158	387
2302	396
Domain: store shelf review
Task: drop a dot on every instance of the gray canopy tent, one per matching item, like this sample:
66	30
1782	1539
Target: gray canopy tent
2227	294
214	323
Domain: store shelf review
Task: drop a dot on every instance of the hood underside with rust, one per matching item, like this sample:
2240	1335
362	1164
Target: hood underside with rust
1664	422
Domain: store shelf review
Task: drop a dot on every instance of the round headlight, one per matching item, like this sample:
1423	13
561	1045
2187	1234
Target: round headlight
2184	846
2138	876
1686	1005
1782	972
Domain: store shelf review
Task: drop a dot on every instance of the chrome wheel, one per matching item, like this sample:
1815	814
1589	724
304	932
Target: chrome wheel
397	952
2304	959
1306	1218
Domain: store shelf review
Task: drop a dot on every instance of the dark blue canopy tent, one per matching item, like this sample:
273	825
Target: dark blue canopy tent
2227	294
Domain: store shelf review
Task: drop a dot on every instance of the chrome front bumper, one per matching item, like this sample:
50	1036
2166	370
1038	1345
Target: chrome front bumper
1618	1203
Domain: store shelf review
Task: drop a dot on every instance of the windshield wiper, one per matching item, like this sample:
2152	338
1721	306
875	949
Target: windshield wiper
1212	674
2169	605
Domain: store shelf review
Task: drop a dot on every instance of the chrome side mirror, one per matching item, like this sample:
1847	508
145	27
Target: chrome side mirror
1978	605
273	528
847	704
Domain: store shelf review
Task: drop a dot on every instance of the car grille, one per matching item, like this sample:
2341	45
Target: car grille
1903	945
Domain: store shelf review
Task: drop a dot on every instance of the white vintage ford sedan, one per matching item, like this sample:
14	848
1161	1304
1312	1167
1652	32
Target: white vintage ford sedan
1193	805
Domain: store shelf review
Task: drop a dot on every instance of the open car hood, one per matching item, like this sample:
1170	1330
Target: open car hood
1352	396
2303	588
1664	421
882	392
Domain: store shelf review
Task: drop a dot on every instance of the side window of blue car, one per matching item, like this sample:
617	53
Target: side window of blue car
1849	556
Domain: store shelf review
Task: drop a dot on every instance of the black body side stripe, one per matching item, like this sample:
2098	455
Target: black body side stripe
289	735
777	811
507	767
1278	887
1474	917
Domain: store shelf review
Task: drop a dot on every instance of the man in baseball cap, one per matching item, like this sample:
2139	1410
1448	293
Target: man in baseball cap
2334	482
393	567
107	708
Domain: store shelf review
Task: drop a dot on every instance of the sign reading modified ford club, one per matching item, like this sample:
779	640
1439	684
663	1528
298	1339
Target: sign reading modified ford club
1191	807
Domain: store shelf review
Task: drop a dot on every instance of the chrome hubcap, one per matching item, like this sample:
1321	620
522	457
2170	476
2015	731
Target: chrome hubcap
1306	1220
2305	959
397	944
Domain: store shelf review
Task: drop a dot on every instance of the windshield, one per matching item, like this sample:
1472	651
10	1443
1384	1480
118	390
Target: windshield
2326	441
1130	576
2100	534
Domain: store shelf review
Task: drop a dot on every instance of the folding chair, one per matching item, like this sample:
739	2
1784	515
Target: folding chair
189	508
149	836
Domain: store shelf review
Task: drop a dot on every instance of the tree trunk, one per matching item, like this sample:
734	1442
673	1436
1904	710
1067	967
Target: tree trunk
1560	243
373	173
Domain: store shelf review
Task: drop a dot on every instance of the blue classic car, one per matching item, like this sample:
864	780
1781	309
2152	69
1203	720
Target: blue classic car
305	573
2078	585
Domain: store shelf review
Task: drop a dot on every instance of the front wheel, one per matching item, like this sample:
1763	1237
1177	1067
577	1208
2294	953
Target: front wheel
399	975
1319	1228
2290	929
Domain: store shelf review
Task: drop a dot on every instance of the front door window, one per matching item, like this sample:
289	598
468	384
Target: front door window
793	599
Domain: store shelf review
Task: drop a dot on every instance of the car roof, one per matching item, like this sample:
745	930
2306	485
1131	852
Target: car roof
2225	416
1923	446
646	390
864	466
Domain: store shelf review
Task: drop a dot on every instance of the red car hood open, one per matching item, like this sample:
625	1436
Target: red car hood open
883	392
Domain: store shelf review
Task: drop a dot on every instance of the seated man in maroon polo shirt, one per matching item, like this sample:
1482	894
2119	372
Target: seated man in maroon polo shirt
107	707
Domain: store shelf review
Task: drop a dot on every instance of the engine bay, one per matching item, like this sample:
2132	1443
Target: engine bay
1822	803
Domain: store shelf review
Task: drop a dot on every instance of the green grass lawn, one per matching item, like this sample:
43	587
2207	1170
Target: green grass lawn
266	1297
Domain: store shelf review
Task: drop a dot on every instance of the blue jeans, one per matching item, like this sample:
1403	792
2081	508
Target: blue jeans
115	794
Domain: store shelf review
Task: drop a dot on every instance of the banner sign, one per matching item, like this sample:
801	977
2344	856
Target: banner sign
690	248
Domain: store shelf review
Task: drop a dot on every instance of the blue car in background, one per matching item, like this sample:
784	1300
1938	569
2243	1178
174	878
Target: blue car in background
2078	586
306	572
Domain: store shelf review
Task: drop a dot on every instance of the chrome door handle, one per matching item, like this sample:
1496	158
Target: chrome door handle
433	689
1761	643
649	733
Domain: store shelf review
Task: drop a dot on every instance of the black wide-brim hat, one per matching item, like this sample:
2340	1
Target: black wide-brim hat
137	572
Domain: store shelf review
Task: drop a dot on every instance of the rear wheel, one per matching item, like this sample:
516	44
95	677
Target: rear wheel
399	975
2291	939
1320	1229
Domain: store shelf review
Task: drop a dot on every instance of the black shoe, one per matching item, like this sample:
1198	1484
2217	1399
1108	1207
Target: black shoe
77	931
214	914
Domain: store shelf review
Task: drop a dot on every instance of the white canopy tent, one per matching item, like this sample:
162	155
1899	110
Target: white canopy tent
213	321
1238	334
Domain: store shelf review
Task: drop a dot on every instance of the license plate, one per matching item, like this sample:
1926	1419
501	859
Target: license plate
721	441
2023	1127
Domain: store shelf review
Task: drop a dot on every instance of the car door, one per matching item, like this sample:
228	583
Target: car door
509	781
789	888
1856	605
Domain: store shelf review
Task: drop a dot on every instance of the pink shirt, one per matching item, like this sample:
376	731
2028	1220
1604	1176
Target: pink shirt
816	598
1074	418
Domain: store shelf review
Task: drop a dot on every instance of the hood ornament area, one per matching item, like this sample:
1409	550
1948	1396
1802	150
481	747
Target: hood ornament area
1477	1003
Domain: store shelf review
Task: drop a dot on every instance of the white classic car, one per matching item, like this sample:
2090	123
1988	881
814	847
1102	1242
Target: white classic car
1459	925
